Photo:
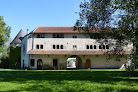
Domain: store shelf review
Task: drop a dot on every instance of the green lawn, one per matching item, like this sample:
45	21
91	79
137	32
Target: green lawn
95	80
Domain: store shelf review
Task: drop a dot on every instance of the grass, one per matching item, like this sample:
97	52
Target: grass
94	80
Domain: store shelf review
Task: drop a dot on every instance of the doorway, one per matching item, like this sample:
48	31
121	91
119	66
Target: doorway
88	64
74	61
55	63
39	64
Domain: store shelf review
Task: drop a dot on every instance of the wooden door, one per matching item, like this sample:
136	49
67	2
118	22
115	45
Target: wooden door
88	63
39	64
55	62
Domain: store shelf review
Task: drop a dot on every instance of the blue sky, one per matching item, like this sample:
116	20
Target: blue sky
28	14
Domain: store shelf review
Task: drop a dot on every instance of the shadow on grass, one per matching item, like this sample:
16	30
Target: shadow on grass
97	76
102	77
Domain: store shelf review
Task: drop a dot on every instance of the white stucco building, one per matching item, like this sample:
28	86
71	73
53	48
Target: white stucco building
51	48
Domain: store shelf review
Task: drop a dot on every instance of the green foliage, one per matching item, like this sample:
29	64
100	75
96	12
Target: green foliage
4	34
4	57
4	49
15	56
104	80
4	62
95	13
122	14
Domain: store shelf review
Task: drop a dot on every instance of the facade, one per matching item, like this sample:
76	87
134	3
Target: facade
62	48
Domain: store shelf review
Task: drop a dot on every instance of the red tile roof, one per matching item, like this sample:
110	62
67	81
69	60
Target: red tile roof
50	52
55	30
67	30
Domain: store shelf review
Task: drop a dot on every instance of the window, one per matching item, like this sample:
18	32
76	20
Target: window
57	46
41	46
87	46
54	36
40	36
20	38
91	47
100	47
54	47
58	35
74	46
94	46
107	46
61	46
37	46
74	36
62	36
103	46
32	62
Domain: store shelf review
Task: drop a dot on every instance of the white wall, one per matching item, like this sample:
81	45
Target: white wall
24	51
69	42
97	61
81	41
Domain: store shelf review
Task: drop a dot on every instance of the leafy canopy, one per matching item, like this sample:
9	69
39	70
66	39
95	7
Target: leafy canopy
112	14
4	34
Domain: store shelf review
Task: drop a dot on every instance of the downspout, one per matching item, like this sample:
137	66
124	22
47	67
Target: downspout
32	41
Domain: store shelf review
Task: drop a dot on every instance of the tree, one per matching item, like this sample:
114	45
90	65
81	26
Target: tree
128	23
4	37
106	14
4	58
4	34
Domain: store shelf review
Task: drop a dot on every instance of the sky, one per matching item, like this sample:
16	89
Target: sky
29	14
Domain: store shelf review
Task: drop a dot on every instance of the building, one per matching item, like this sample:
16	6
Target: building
19	36
59	47
15	50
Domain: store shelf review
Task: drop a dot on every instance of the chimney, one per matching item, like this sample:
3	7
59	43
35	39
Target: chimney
27	31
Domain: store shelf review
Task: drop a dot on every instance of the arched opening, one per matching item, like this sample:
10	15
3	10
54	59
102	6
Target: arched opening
74	62
39	64
37	46
88	64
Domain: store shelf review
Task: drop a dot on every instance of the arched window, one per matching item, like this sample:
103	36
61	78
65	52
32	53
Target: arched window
41	46
54	47
87	46
57	46
100	47
74	46
94	46
103	46
37	46
61	46
91	47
